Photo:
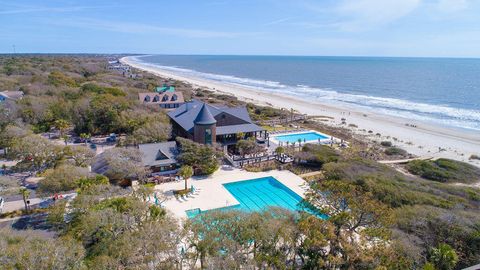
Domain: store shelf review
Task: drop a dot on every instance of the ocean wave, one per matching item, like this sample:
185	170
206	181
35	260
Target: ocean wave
438	113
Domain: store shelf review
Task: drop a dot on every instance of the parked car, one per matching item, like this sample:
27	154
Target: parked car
2	203
93	146
112	137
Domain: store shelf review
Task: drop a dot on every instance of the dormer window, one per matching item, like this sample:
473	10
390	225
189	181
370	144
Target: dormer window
174	97
155	99
161	156
146	99
165	98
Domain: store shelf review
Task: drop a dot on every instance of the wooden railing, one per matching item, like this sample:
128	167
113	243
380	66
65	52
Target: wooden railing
238	161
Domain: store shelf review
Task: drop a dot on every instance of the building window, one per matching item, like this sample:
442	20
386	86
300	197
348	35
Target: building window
208	136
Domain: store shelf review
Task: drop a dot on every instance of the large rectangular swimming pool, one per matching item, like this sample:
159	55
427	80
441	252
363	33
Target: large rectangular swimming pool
304	137
258	194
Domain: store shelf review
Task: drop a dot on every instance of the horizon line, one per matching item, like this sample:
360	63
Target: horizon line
255	55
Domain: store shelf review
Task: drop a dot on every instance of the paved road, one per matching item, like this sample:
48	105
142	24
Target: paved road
37	222
35	202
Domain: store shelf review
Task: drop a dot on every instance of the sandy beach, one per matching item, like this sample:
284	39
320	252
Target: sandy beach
419	138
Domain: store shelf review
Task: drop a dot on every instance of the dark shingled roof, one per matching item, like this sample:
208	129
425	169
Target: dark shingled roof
204	117
161	98
234	129
190	112
155	154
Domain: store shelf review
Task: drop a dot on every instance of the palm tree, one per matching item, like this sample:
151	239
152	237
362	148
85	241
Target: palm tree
62	126
444	257
299	143
186	172
25	194
240	136
85	137
279	150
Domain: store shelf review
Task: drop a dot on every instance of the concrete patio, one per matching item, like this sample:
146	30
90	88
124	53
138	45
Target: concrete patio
211	194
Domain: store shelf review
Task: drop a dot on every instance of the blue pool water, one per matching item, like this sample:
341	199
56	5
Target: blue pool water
258	194
293	138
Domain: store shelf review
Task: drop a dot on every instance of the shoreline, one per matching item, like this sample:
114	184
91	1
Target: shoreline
424	139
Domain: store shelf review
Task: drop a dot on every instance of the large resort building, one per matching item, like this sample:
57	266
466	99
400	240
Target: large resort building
207	124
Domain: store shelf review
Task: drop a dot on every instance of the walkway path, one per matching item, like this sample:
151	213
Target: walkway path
401	161
310	174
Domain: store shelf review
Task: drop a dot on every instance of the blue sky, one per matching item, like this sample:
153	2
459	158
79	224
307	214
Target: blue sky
445	28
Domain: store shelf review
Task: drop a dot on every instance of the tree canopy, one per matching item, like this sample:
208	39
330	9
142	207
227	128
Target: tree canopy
202	158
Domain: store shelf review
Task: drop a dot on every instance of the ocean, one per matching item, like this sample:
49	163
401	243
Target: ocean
444	91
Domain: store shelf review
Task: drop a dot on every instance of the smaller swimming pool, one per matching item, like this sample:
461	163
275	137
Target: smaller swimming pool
304	137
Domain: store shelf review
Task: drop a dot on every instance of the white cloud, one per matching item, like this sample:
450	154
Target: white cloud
365	14
40	9
278	21
141	28
7	8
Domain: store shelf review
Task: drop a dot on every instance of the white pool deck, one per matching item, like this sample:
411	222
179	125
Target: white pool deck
211	194
327	140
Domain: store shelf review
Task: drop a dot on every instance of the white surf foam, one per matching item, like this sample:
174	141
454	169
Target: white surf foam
442	114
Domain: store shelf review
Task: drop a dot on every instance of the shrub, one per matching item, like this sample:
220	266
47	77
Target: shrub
317	155
61	178
93	88
181	192
261	167
58	78
386	143
279	150
444	170
248	147
473	194
395	151
475	157
427	170
387	185
85	183
8	185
